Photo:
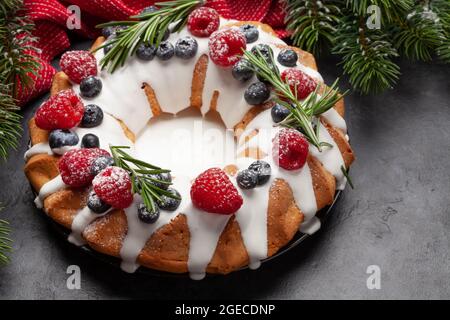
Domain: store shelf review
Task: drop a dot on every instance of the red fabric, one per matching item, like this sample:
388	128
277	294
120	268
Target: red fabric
50	18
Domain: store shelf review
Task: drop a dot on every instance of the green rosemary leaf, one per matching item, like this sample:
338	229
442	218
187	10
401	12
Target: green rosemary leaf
347	176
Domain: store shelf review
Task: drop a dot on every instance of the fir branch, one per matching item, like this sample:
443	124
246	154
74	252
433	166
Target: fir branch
312	23
302	113
10	127
366	56
142	179
442	9
418	34
390	9
5	242
146	28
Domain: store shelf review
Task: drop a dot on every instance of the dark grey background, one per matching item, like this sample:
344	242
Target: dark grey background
398	217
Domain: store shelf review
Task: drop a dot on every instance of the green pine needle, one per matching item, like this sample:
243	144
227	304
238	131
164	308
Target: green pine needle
5	242
141	180
366	57
312	23
146	28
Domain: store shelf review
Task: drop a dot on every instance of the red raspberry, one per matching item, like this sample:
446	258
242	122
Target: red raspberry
225	46
63	111
75	166
300	81
290	149
212	191
113	186
202	22
78	65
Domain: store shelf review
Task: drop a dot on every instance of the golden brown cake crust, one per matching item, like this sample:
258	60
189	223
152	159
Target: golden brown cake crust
168	248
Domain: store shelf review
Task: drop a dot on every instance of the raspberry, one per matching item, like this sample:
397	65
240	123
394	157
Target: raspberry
63	111
226	47
290	149
212	191
78	65
299	81
202	22
113	186
75	166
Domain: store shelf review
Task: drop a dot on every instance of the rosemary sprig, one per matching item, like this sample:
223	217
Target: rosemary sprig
5	242
146	28
347	176
141	177
303	113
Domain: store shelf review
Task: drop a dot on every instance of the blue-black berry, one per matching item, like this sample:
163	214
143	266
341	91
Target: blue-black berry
287	58
96	204
257	93
251	32
61	138
265	50
146	52
92	117
279	113
149	9
146	215
168	203
101	163
163	180
91	87
242	70
109	31
90	141
165	51
186	48
262	171
247	179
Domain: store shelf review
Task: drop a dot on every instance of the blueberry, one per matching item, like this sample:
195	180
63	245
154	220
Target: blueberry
146	52
247	179
186	48
108	31
101	163
242	70
279	113
251	32
165	51
288	58
92	117
265	50
262	170
96	204
257	93
90	87
149	9
90	141
170	204
165	179
147	216
60	138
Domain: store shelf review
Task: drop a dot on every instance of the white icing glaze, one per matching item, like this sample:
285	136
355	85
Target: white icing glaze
83	218
47	189
138	233
122	98
335	119
39	148
331	158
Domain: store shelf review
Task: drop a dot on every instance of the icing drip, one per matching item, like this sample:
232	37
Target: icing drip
38	148
205	230
335	119
138	233
83	218
47	189
331	158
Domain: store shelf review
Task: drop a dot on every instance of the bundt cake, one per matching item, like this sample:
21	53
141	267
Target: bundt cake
197	110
